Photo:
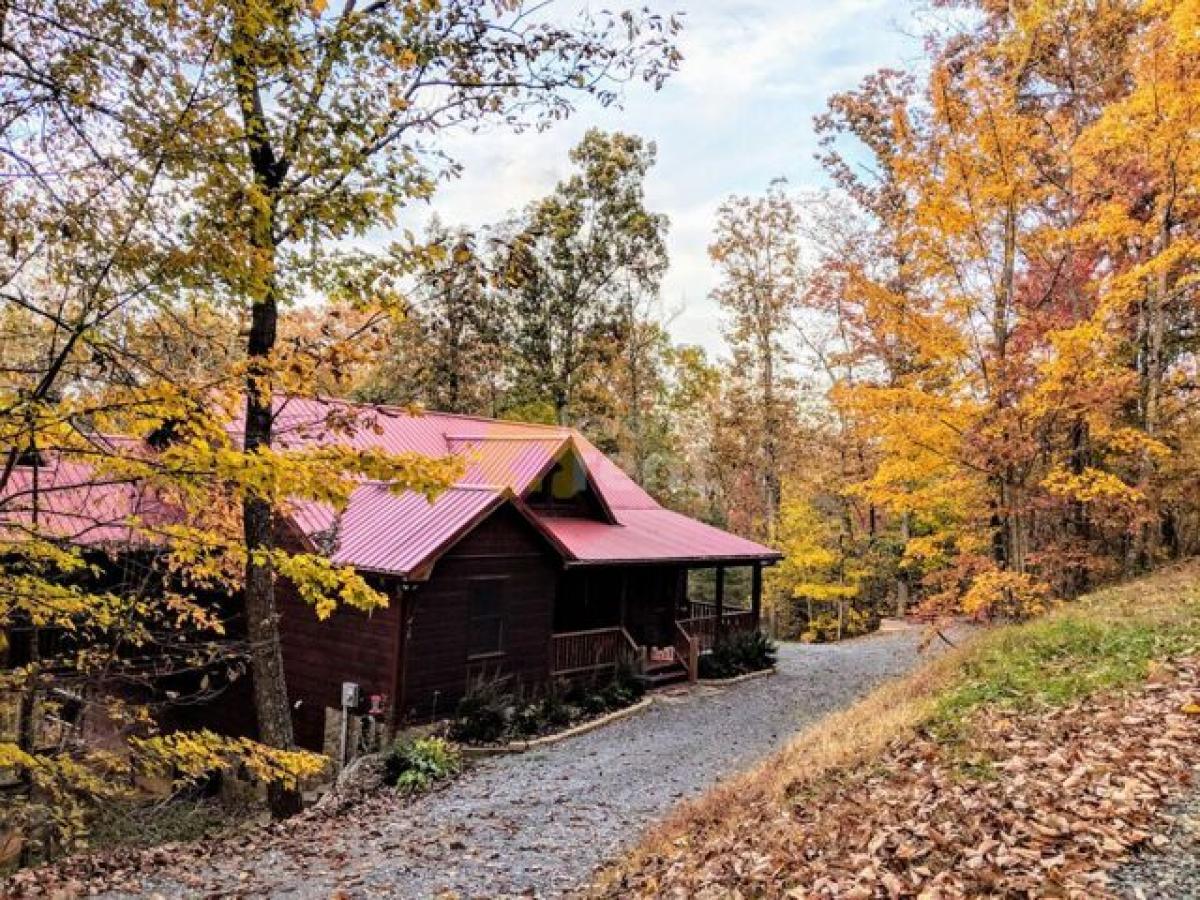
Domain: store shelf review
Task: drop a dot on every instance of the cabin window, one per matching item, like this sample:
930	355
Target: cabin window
485	617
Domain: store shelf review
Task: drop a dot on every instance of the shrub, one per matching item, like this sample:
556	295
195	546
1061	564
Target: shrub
738	653
485	712
490	712
594	703
626	684
414	765
556	712
527	721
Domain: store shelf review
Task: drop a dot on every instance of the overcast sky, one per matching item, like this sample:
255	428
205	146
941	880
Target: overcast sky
737	114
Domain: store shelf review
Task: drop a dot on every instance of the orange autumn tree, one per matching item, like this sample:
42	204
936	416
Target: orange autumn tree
1140	160
1014	309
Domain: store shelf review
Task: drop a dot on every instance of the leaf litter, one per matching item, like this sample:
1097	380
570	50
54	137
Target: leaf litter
1041	803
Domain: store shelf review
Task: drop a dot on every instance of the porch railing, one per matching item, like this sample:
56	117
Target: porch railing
573	652
705	609
703	629
687	651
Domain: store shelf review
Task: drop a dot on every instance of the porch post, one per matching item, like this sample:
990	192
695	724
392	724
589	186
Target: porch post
756	594
719	628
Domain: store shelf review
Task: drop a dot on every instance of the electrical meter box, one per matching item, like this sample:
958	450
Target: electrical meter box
351	695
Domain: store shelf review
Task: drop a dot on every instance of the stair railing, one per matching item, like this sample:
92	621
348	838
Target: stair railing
687	650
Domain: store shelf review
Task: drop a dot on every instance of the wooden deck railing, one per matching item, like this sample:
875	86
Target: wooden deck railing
704	609
703	629
574	652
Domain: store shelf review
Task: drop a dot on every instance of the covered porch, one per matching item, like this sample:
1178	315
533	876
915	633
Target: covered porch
659	617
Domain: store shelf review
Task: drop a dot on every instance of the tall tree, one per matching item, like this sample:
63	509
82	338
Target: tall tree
448	350
284	129
757	253
1138	158
571	264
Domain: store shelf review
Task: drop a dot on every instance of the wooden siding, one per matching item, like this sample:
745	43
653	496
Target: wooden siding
436	667
318	656
538	596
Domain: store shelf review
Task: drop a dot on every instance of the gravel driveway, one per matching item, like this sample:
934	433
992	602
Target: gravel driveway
538	824
1172	872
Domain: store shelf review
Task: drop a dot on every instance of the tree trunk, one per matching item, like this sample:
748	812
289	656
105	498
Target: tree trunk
901	576
1143	542
262	618
27	730
1009	538
561	404
1079	524
772	487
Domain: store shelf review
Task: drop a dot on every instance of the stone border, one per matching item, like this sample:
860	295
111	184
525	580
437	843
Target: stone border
737	679
551	739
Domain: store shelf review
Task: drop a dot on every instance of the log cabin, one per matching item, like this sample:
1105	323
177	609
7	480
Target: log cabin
543	561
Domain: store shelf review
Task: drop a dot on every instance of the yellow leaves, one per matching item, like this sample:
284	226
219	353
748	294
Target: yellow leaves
818	591
1000	593
185	756
45	601
325	586
814	565
65	785
13	757
1091	486
323	474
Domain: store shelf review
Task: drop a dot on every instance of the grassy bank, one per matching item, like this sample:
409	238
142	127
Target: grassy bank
947	736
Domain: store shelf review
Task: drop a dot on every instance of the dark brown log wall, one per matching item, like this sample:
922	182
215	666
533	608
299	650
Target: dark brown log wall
318	656
436	666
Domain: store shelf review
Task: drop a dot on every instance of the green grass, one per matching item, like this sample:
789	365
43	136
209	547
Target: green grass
1105	641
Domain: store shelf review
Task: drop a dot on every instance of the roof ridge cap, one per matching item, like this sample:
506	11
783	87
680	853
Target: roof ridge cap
457	486
551	436
413	411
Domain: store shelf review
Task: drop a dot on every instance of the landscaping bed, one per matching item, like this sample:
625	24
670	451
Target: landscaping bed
1032	760
737	654
495	713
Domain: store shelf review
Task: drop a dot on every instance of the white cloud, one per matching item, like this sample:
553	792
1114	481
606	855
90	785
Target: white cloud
737	114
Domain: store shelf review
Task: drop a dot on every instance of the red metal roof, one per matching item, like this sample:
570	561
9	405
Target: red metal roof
70	501
382	531
506	462
400	533
385	532
651	535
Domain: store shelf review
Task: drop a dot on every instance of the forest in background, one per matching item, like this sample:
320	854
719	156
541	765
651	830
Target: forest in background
963	379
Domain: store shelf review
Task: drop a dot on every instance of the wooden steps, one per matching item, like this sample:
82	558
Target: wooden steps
660	674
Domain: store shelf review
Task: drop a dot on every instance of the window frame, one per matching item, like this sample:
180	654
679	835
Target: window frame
500	615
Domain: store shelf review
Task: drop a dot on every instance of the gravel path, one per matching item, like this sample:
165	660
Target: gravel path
1171	872
538	824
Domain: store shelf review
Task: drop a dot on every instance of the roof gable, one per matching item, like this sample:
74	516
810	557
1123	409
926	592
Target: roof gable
404	533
